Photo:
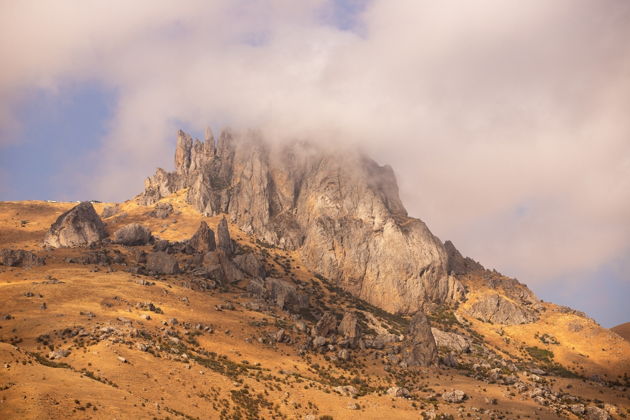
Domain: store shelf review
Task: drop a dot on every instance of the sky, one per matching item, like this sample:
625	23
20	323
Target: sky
506	122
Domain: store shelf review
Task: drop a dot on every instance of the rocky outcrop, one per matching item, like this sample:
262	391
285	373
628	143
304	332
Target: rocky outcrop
162	210
419	348
326	325
250	264
349	328
451	341
79	226
458	264
498	310
282	293
339	209
162	263
132	235
224	241
455	396
203	239
20	258
110	211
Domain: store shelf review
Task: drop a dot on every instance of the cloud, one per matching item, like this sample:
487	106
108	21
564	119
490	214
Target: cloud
506	121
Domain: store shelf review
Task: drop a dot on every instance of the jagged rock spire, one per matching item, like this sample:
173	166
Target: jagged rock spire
339	209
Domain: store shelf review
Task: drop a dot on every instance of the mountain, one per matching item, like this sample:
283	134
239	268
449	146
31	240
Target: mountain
278	280
338	209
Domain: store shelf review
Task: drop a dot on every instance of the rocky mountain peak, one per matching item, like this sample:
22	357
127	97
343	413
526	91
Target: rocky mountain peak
338	208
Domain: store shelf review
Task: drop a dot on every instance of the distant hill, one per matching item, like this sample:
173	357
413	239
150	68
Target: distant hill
623	330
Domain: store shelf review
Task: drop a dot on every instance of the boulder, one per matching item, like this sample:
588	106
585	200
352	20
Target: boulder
20	258
162	263
79	226
250	264
451	341
419	348
231	272
455	396
132	234
224	242
110	211
162	210
396	391
326	325
499	310
349	328
596	413
203	239
280	292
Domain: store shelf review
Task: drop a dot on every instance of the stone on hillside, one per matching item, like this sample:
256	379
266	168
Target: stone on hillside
419	348
326	325
162	263
596	413
250	264
455	396
132	234
450	340
231	272
203	239
396	391
282	293
110	211
224	242
79	226
346	390
349	328
162	210
20	258
497	309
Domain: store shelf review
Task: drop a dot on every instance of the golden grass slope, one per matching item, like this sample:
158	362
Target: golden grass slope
228	372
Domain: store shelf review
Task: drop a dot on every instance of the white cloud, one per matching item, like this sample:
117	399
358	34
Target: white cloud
505	120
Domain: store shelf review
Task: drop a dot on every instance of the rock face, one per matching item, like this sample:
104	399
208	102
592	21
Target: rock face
326	325
224	242
19	258
419	348
458	264
132	234
349	328
498	310
203	240
162	263
280	292
79	226
451	341
340	210
250	265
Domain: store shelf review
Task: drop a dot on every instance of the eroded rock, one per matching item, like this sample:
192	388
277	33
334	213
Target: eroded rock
419	348
132	234
79	226
20	258
162	263
203	240
497	309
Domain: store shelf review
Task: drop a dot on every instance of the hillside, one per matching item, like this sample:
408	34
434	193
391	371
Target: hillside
623	330
92	334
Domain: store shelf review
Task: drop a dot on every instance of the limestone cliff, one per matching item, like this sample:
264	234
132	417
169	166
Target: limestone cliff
339	209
